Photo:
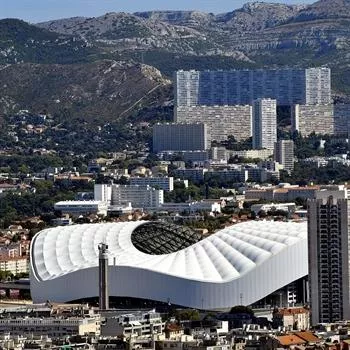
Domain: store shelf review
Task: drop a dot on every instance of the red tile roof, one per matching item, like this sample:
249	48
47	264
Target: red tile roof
290	339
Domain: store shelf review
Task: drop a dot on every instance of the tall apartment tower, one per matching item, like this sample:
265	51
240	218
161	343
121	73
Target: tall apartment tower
284	154
240	87
328	242
318	86
264	123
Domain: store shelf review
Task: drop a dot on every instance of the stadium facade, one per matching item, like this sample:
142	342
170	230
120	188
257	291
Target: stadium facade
240	264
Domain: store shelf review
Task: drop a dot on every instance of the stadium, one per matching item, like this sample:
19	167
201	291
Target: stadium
240	264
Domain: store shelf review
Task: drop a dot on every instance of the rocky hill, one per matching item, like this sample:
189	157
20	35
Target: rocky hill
81	49
103	90
259	34
22	42
324	9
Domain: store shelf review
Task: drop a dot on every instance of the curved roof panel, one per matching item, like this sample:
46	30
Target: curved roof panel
224	261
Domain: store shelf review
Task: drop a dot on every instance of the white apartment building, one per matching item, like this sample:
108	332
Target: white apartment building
328	250
14	265
76	208
138	324
103	193
317	86
222	121
139	196
180	137
164	183
284	154
52	327
307	119
252	153
264	123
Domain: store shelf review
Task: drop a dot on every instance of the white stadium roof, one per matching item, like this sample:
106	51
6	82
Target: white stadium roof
239	264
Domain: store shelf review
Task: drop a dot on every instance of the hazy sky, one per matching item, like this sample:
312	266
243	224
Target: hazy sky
42	10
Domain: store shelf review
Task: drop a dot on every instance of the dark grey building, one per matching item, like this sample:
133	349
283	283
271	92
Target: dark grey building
328	254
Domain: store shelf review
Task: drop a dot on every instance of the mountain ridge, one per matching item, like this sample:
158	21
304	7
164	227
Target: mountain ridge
258	35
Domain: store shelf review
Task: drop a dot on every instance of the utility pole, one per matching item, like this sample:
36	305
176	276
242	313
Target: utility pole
103	276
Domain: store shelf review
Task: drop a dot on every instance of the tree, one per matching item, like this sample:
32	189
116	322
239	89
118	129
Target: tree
262	214
188	314
241	309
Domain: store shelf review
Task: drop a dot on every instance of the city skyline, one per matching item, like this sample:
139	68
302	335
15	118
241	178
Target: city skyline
41	10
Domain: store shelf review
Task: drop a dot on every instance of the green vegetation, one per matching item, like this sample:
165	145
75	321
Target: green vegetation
24	164
127	28
7	275
28	43
212	224
306	147
241	309
185	315
305	174
15	206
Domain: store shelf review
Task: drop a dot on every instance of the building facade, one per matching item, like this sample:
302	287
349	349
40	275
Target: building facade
307	119
76	208
297	318
264	123
328	246
252	153
139	196
342	119
164	183
284	154
138	323
14	265
50	326
194	174
180	137
241	87
222	121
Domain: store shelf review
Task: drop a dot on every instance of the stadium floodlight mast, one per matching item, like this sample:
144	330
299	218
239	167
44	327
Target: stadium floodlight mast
103	276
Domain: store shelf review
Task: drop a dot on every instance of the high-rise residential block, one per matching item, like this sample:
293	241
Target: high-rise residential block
240	87
342	119
307	119
317	86
180	137
328	246
284	154
264	123
222	121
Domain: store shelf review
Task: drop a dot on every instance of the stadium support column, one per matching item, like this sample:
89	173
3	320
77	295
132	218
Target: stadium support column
103	276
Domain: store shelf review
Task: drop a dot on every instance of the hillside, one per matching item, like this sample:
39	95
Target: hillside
258	35
22	42
103	90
